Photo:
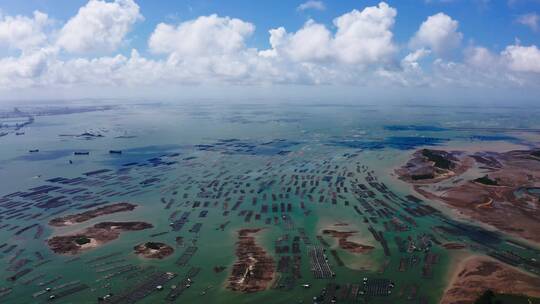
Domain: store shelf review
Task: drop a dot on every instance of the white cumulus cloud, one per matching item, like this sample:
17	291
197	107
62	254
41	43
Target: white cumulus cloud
365	36
27	69
362	37
481	57
22	32
411	60
522	58
310	43
99	26
206	35
356	49
439	33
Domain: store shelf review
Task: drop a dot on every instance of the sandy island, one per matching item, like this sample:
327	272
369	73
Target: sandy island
254	269
153	250
92	237
73	219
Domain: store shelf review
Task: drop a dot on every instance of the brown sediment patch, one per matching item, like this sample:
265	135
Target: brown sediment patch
453	246
92	237
429	166
73	219
218	269
153	250
494	193
345	244
254	269
477	274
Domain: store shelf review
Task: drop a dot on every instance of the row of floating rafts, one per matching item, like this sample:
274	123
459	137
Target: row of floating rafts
80	152
52	289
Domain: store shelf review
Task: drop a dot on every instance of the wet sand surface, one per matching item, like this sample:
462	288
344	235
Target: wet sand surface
476	274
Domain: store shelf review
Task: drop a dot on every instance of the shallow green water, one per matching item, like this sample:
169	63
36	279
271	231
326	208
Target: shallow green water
247	143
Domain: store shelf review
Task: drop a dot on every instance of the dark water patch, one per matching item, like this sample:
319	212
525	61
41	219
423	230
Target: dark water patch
138	154
357	144
421	128
240	120
46	155
287	120
533	191
475	233
248	147
126	136
260	112
84	135
200	114
394	142
280	143
336	105
152	149
246	120
495	138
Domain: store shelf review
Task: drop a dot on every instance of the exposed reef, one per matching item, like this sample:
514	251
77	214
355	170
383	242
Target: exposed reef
254	268
73	219
153	250
92	237
428	166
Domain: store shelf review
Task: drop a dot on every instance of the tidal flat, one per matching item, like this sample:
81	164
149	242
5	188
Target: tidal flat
244	203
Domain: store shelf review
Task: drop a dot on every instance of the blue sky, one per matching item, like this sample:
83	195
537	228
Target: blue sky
495	36
490	23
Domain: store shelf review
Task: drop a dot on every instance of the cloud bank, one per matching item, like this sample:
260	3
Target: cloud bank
99	26
358	49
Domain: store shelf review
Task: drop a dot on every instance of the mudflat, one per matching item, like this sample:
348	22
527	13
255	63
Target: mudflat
73	219
345	244
477	274
92	237
254	268
153	250
495	188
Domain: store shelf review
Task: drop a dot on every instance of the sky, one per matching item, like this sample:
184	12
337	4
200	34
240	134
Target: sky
432	50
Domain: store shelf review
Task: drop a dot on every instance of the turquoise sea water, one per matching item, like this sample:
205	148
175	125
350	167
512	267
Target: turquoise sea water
210	157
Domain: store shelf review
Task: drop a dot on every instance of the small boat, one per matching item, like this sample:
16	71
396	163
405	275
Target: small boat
115	151
19	133
33	150
81	153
